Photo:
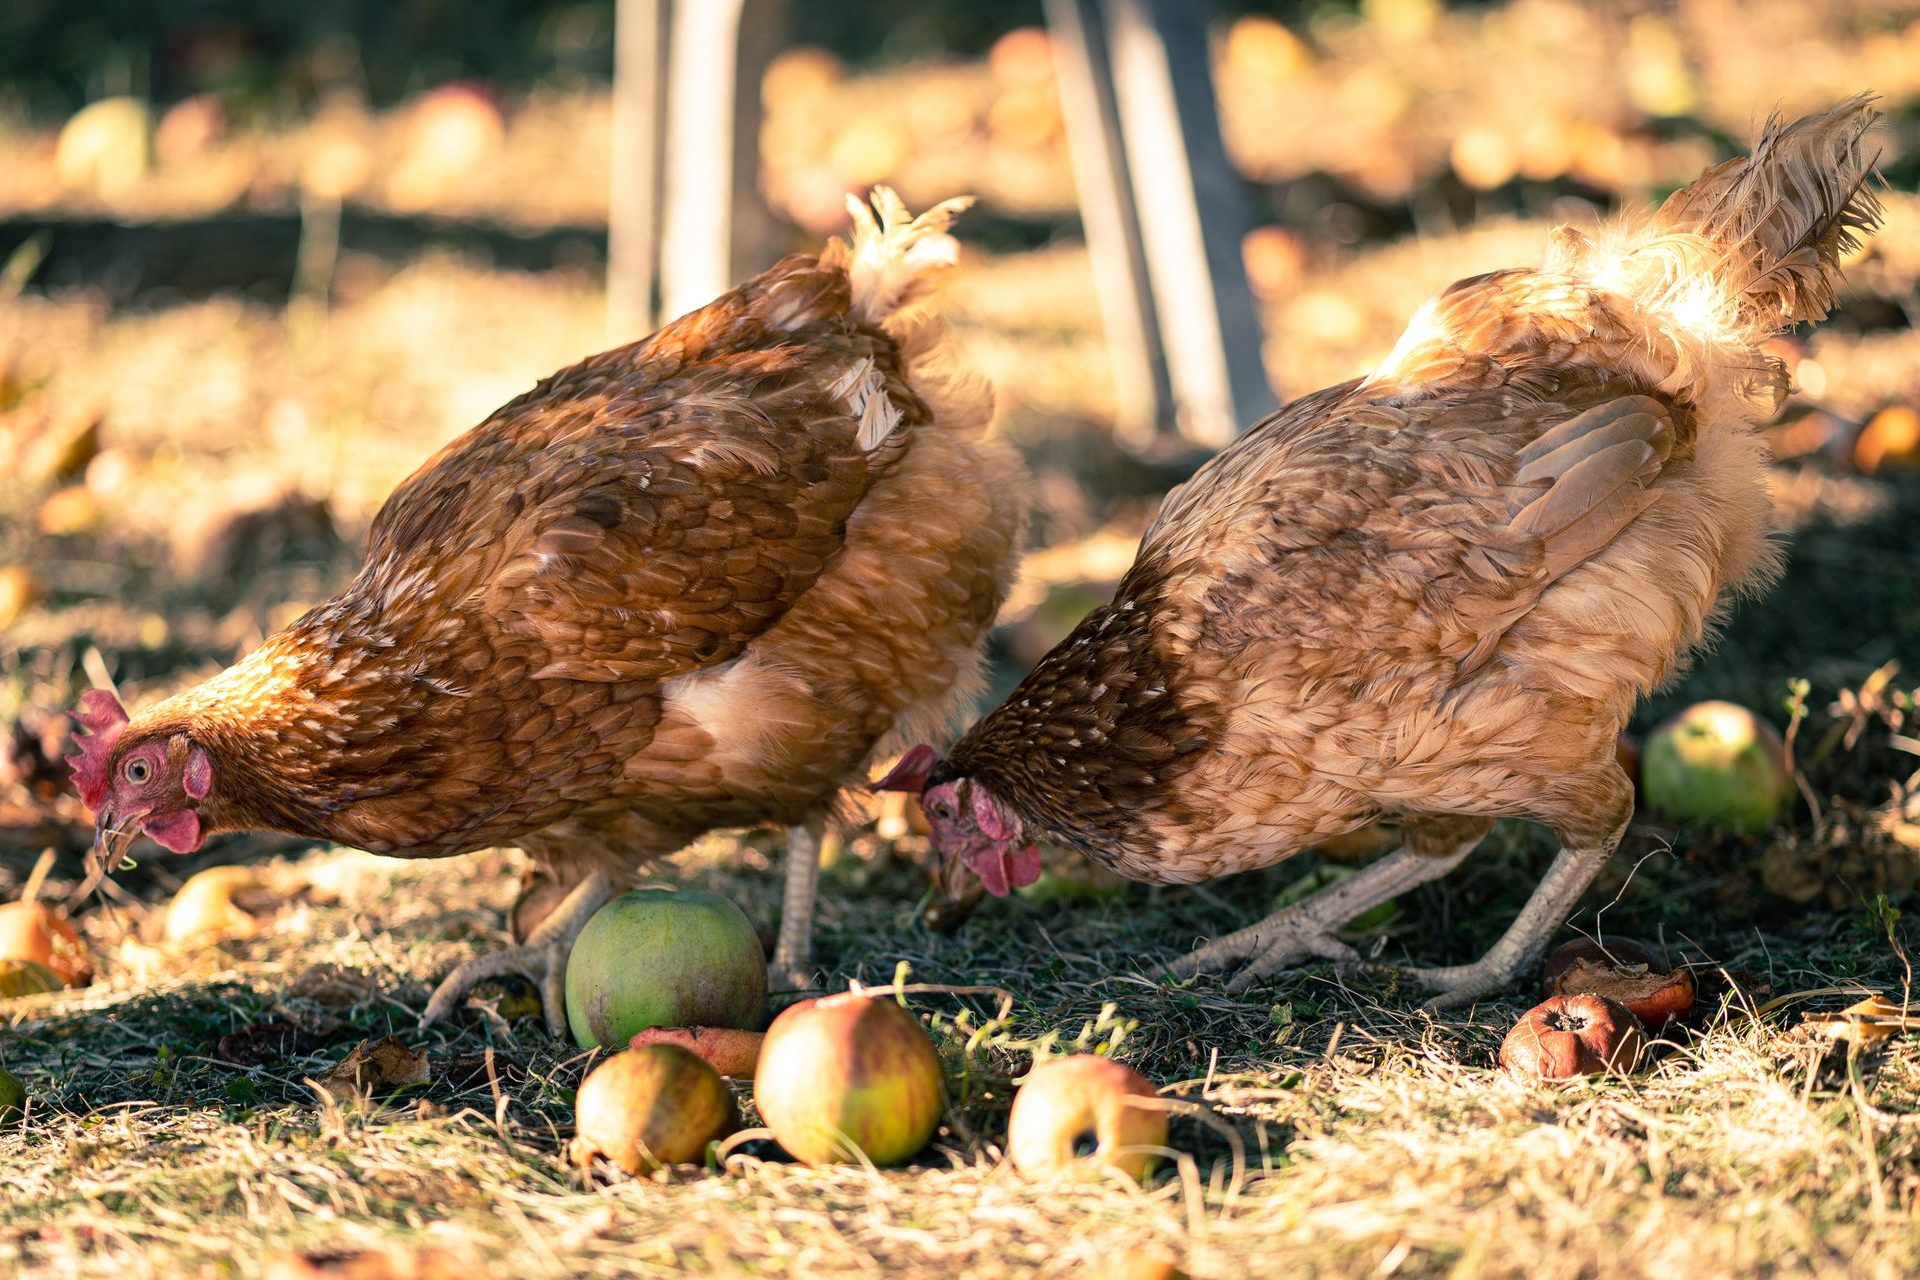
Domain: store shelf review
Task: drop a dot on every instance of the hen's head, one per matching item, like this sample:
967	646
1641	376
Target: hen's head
970	823
134	780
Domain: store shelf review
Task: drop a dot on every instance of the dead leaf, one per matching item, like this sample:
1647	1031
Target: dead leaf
1866	1023
335	986
377	1067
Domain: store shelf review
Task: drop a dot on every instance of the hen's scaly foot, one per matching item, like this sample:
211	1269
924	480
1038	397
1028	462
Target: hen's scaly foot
1279	940
1307	928
782	977
541	959
1462	984
1553	898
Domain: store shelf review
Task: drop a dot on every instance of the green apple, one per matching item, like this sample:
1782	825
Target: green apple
849	1072
27	978
664	958
649	1107
1717	762
13	1099
1078	1115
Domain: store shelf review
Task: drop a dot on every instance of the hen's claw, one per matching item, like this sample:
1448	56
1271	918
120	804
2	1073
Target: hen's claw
1307	928
1270	945
791	977
1461	985
542	959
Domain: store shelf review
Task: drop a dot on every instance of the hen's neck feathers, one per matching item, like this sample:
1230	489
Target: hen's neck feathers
298	730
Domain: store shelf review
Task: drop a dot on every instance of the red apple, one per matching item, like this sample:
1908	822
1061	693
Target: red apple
650	1107
1081	1114
32	931
849	1072
1629	972
1572	1036
731	1052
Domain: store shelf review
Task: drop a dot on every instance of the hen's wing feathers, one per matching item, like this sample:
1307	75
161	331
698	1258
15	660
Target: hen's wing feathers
680	552
1349	513
637	519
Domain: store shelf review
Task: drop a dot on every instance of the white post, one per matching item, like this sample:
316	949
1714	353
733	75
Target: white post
633	214
1192	216
697	219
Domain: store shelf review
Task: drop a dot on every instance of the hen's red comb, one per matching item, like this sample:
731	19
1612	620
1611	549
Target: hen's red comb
102	716
911	773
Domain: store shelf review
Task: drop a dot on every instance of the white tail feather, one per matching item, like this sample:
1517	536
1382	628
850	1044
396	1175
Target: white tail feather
897	257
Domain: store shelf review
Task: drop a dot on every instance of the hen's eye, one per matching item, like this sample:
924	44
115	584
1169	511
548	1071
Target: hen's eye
138	771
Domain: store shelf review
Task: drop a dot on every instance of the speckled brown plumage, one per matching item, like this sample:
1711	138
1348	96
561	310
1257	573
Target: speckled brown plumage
688	583
1438	592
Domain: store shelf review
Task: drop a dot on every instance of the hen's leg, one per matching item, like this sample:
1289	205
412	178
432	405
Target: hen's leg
1584	849
1307	928
792	966
541	959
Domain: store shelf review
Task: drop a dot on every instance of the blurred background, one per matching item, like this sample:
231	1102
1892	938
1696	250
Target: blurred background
259	258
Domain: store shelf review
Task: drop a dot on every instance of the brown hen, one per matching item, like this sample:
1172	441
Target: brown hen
691	583
1436	592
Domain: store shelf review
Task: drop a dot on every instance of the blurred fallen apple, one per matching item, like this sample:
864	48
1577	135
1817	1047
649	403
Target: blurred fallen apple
1082	1115
203	909
1890	439
1717	762
31	930
20	590
26	978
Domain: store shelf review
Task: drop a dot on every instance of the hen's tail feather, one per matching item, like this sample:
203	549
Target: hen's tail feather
1783	217
897	257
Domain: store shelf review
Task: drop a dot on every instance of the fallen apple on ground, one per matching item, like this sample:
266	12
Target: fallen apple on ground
731	1052
649	1107
1083	1114
34	931
13	1099
664	958
1630	973
1572	1036
1717	762
203	909
848	1073
26	978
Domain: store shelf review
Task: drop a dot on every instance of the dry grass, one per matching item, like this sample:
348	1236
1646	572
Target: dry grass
1372	1139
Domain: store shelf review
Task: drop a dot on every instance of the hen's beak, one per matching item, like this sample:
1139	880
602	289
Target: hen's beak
110	845
945	862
